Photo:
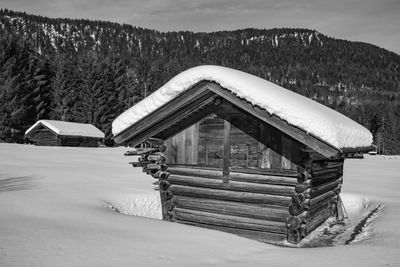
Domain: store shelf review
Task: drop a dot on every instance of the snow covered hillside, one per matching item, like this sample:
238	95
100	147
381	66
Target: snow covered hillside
54	212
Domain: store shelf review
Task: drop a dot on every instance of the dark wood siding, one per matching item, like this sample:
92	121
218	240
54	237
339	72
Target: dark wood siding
254	144
82	141
183	147
43	136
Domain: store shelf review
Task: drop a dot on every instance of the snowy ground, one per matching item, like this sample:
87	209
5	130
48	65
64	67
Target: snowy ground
53	212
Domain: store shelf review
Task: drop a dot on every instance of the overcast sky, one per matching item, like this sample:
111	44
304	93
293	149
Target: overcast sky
371	21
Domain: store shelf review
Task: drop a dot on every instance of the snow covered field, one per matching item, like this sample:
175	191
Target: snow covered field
53	212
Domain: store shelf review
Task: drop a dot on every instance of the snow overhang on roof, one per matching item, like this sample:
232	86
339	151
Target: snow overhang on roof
313	118
69	128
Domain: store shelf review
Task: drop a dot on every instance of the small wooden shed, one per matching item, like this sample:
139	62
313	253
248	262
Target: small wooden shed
62	133
239	154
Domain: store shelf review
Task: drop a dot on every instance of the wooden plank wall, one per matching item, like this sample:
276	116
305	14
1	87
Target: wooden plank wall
44	137
253	145
81	141
183	147
211	141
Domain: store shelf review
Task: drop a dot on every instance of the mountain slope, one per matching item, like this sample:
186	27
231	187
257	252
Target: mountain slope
96	69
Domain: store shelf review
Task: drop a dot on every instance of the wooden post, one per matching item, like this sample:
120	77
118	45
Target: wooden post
227	151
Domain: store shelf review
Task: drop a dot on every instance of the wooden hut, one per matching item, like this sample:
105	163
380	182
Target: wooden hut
62	133
239	154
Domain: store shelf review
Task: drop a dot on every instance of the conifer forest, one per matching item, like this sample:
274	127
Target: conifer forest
91	71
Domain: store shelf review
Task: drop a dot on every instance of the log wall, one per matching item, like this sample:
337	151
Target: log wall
316	194
268	204
250	205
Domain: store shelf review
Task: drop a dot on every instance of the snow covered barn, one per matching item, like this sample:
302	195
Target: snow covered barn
237	153
62	133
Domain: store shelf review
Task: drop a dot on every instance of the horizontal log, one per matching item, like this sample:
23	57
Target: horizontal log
298	198
321	189
326	172
313	202
161	175
167	194
234	176
326	164
315	211
300	188
317	221
272	172
303	176
131	153
168	205
262	179
316	182
323	205
229	221
232	185
294	236
293	222
232	208
244	197
296	209
155	158
145	151
140	163
155	167
267	171
308	215
321	180
301	169
164	185
266	237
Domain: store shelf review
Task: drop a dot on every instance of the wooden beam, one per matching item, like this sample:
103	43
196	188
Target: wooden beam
227	151
158	115
169	119
298	134
187	122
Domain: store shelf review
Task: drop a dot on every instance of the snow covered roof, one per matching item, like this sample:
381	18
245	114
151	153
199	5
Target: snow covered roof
324	123
69	128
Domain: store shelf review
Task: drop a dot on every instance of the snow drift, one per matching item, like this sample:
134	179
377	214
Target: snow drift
52	214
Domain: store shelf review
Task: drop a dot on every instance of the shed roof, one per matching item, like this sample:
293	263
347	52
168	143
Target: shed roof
69	128
311	117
